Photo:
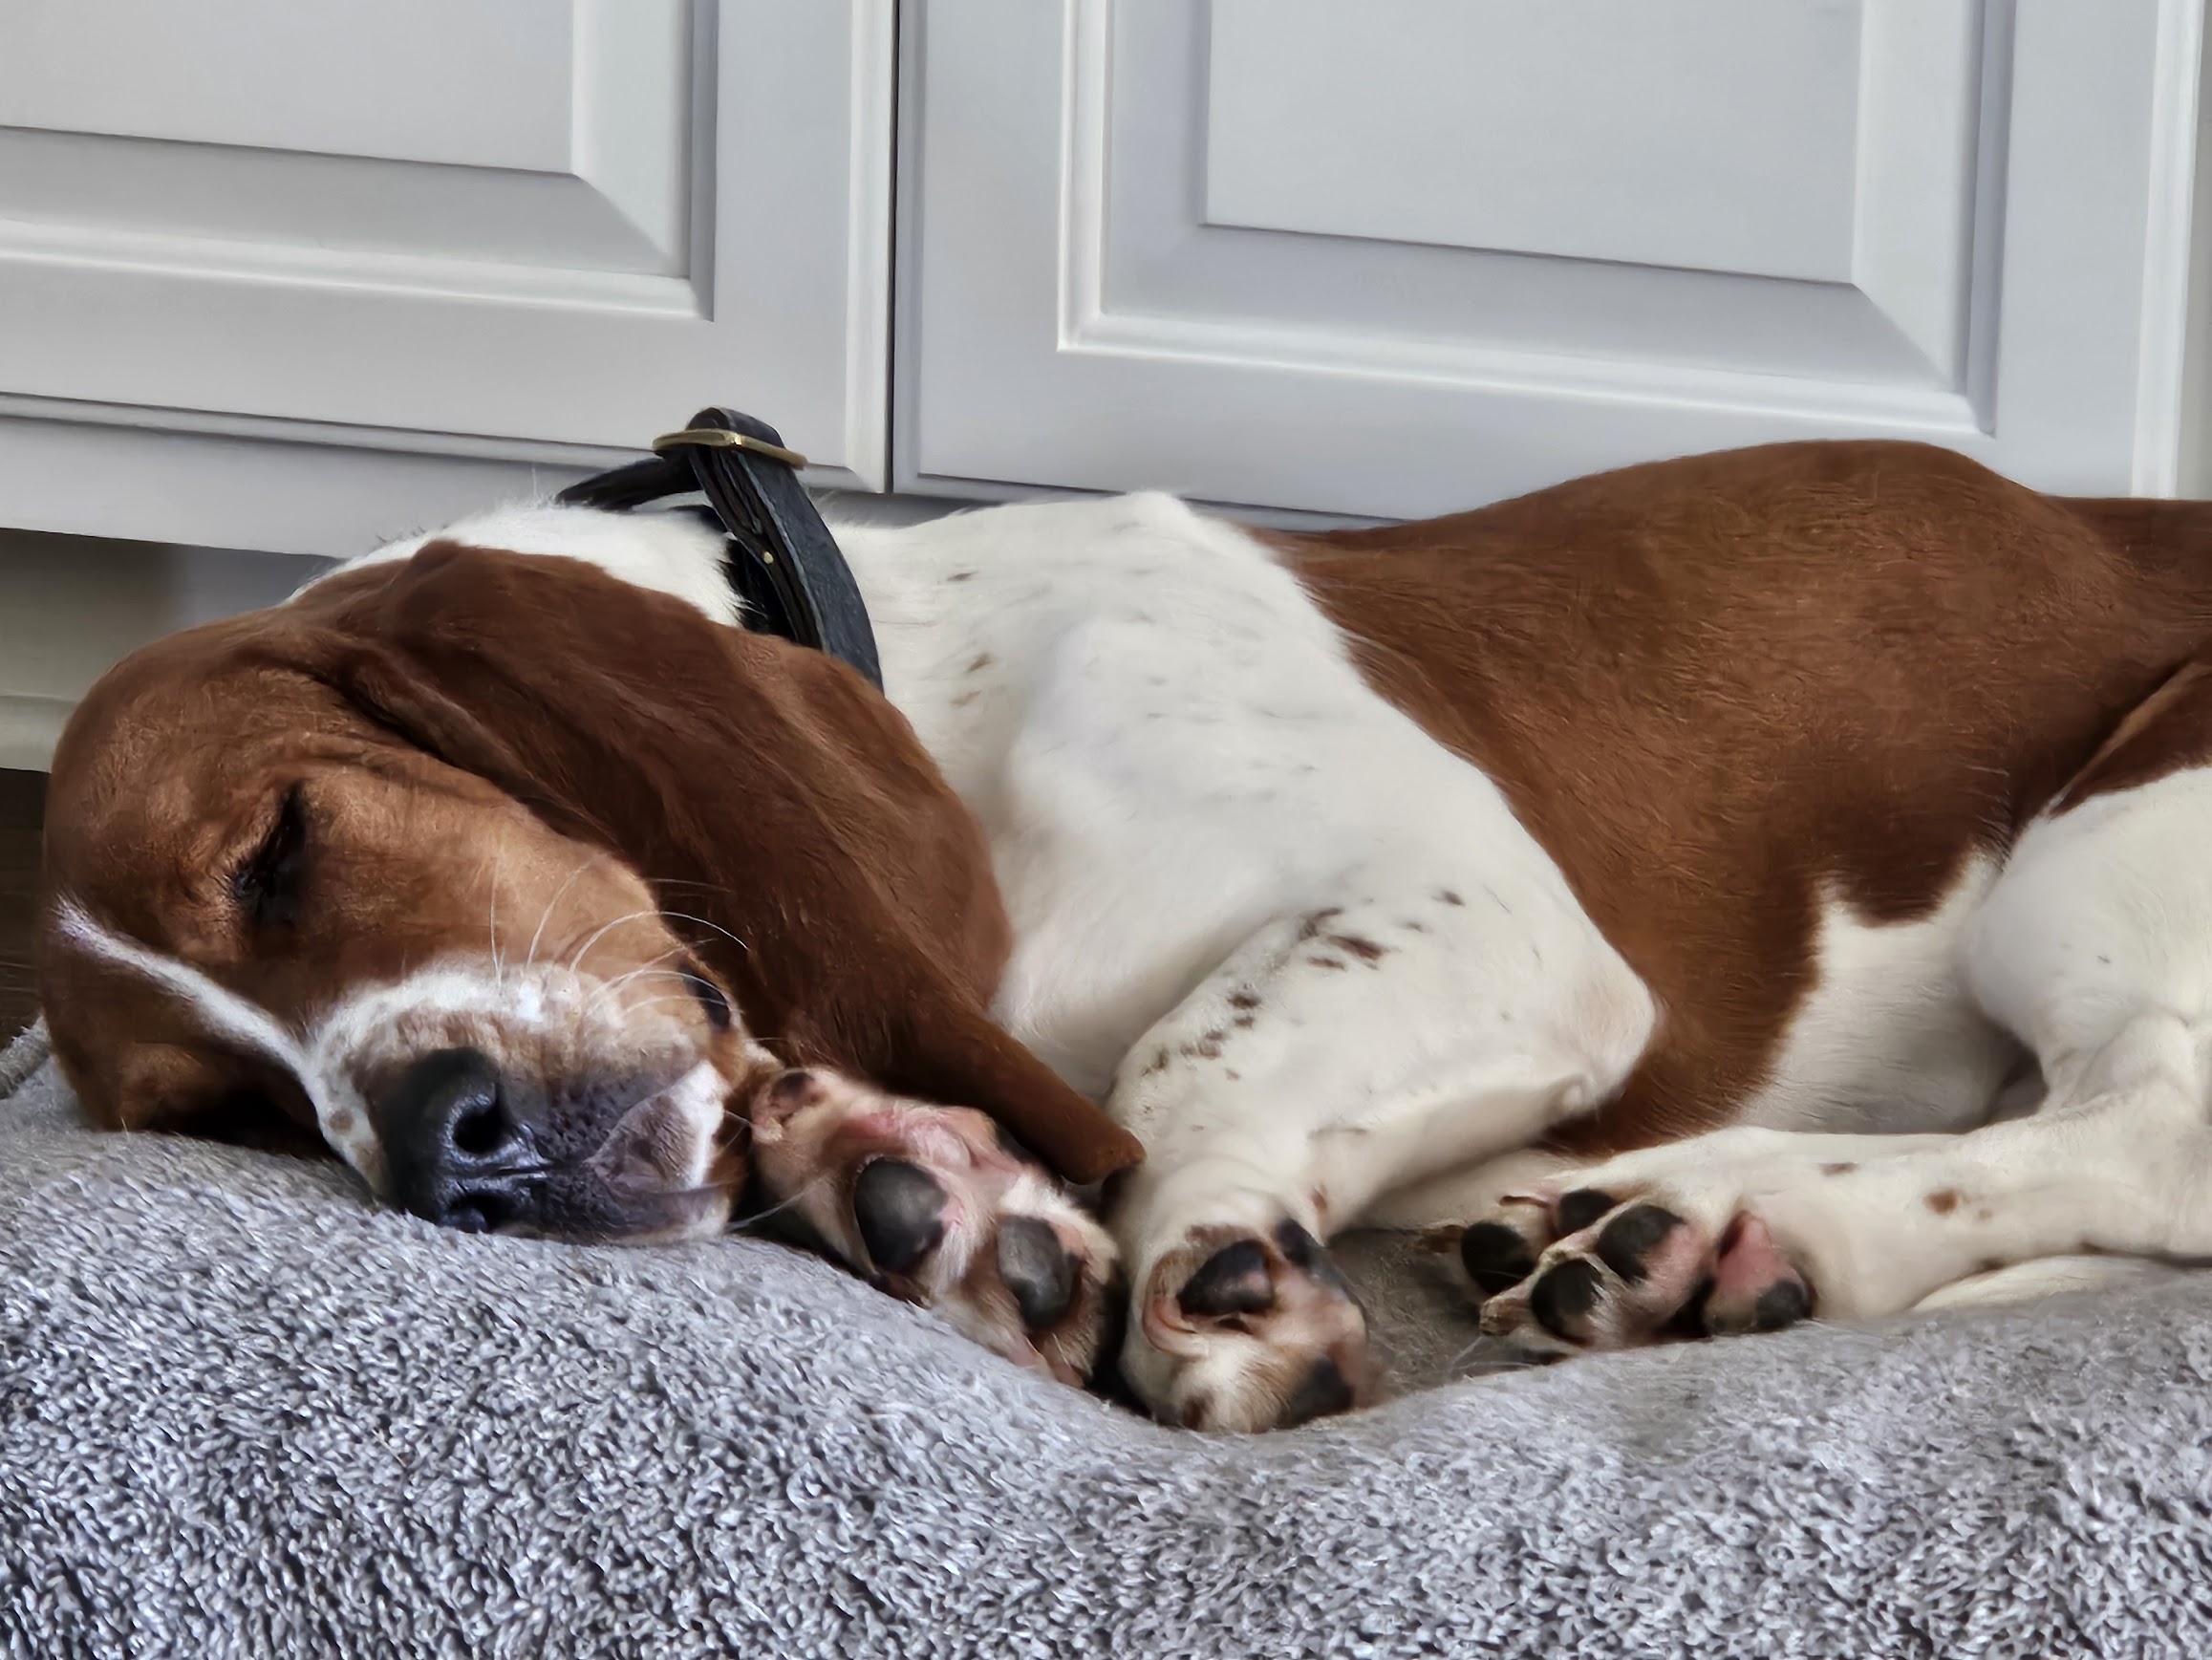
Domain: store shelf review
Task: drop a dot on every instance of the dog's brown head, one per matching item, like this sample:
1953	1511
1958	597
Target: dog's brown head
513	882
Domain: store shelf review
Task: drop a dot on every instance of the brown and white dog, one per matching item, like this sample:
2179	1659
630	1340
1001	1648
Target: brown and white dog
1727	888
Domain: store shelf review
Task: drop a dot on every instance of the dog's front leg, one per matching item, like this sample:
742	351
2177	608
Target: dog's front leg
1337	1055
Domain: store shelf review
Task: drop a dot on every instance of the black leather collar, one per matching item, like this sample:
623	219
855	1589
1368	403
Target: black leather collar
780	560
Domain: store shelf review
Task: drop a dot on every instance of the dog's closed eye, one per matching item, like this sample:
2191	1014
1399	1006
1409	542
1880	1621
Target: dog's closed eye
711	996
267	884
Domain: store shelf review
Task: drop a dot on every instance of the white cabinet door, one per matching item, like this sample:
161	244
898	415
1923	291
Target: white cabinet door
364	256
1394	257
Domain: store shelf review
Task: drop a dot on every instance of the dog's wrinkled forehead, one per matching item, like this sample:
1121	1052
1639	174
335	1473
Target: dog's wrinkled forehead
214	804
187	759
165	751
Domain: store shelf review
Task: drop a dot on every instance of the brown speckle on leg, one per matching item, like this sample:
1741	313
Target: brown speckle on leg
1352	945
1317	920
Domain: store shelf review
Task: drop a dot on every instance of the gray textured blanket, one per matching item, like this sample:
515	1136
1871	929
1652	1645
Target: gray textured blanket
241	1412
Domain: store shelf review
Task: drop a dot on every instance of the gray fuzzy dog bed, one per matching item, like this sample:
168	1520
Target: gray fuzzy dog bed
240	1412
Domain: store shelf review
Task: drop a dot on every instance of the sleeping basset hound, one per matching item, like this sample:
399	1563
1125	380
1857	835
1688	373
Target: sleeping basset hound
1718	892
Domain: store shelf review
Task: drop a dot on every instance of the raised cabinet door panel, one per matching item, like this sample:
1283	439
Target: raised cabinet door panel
471	84
1394	257
494	228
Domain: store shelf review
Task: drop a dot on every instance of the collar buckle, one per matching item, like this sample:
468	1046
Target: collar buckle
782	561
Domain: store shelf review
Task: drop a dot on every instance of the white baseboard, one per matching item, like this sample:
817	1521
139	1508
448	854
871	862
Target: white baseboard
30	727
71	606
284	486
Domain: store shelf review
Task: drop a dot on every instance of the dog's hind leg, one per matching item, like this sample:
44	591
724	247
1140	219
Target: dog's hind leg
2094	948
1336	1056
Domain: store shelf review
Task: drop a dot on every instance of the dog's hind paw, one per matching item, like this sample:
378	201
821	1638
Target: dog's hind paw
1580	1267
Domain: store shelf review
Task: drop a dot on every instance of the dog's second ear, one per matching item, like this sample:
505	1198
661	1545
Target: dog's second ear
762	786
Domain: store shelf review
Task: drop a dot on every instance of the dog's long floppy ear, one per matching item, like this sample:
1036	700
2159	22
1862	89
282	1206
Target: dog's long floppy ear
759	785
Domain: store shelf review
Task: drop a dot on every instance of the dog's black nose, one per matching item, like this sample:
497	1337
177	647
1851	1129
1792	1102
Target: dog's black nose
458	1154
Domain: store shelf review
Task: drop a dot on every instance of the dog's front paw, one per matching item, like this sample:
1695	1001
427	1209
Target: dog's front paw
1237	1329
933	1205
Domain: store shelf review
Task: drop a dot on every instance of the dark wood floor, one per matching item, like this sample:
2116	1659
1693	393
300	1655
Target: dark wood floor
22	805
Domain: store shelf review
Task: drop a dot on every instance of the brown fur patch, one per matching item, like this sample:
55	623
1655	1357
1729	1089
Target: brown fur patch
1944	1200
1772	676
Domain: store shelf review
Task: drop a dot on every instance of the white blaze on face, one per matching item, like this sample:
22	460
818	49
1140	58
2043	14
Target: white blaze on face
222	1013
228	1017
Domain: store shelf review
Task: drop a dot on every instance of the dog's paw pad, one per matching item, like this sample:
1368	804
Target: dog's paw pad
900	1211
933	1205
1255	1331
1618	1274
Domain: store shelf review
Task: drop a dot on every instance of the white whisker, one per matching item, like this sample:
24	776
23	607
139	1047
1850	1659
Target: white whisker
546	915
687	916
782	1204
498	871
575	963
654	1002
1456	1367
608	987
